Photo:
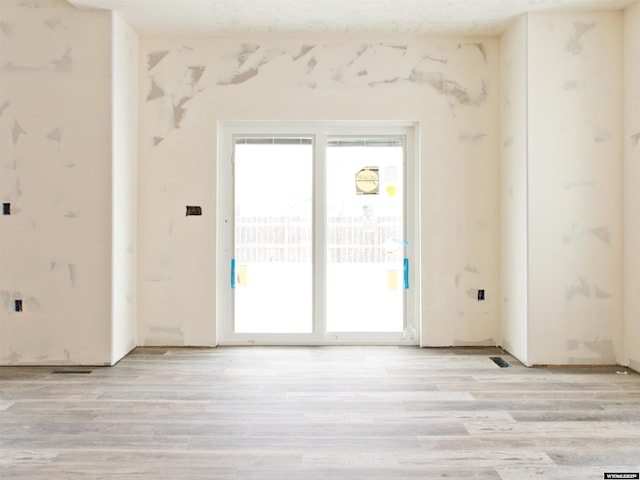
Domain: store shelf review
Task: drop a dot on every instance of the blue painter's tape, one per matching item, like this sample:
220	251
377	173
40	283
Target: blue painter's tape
406	273
404	243
233	273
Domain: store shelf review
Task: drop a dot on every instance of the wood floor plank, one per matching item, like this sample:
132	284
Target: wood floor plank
318	413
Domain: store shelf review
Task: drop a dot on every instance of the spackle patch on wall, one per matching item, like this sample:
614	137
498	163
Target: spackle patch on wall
196	74
574	44
155	92
7	298
16	132
154	58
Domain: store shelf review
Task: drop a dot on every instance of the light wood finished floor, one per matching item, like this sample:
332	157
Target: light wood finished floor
318	413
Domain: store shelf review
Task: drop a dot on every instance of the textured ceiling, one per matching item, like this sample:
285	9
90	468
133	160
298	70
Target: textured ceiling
242	17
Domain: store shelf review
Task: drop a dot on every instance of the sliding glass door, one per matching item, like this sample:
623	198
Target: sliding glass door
365	234
317	245
272	268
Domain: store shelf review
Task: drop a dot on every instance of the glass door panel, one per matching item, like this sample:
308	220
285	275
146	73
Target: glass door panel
272	275
365	269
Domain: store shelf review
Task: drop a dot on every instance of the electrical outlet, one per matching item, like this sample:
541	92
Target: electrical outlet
17	305
480	295
6	209
193	210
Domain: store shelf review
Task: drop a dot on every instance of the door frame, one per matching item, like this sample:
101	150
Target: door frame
225	248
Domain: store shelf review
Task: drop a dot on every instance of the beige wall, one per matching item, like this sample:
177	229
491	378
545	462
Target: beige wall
55	126
59	163
125	189
448	85
575	188
514	190
522	153
562	175
631	141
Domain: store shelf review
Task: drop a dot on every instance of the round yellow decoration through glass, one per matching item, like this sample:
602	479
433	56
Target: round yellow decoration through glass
367	181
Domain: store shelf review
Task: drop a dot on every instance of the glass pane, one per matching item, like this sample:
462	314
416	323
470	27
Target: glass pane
273	236
365	239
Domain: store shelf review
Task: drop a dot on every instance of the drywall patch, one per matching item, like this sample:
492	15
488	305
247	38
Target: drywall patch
303	51
164	336
573	85
72	275
601	233
6	28
591	350
179	111
157	140
13	357
69	267
161	270
444	61
635	139
7	104
402	47
154	58
448	88
196	74
602	135
472	138
63	64
17	131
155	92
241	77
479	46
246	50
451	89
471	269
55	135
311	64
601	294
581	289
574	45
8	297
54	24
472	293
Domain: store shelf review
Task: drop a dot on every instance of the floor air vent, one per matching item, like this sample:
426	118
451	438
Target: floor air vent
501	362
66	371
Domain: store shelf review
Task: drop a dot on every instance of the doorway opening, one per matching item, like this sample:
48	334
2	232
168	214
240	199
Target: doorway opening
317	230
